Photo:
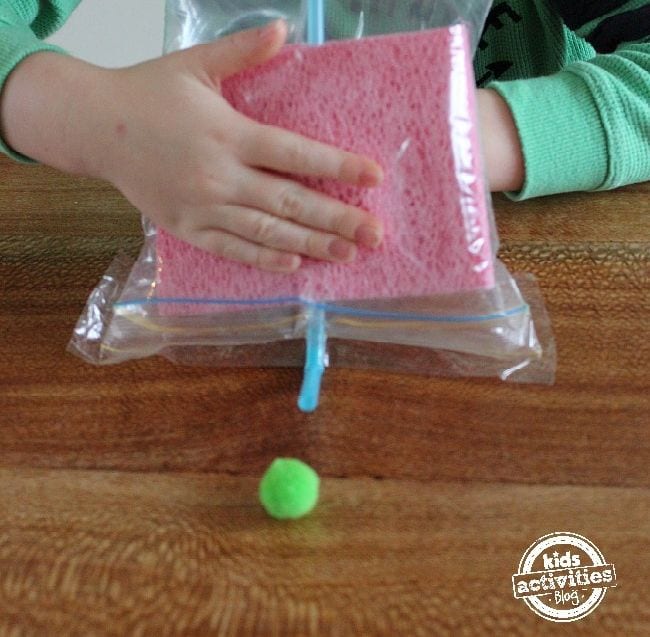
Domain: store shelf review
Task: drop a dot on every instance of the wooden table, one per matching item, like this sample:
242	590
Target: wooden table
128	493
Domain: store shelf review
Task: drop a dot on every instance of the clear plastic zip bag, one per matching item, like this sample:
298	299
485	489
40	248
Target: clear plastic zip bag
390	80
190	22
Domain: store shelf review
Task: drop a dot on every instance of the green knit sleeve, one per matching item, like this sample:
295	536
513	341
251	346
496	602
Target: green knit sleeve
587	127
23	24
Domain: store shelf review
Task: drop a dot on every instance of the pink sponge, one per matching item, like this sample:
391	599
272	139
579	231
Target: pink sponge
405	100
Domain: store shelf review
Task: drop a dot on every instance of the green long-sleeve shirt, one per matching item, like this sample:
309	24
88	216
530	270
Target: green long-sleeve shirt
575	74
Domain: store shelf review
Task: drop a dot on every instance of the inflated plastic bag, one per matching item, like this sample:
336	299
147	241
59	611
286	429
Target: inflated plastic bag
390	80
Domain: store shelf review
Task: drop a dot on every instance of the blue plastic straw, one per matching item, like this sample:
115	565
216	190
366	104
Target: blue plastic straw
315	360
316	354
315	21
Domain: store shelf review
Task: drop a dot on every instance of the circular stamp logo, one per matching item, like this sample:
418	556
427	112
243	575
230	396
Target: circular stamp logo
563	577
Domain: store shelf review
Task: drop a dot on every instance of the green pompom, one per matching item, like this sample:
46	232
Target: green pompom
289	489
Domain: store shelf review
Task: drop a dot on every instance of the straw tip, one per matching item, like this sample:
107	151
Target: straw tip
310	390
307	404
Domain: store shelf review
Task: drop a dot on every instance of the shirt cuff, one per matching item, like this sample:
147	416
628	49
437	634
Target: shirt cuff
563	139
16	43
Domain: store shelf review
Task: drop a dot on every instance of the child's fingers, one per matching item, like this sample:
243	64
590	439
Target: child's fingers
272	232
237	249
284	151
239	51
290	200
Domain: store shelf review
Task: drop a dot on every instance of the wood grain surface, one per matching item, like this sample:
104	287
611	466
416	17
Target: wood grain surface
120	553
127	493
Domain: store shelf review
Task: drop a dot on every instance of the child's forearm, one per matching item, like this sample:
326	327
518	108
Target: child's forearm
45	108
503	157
45	100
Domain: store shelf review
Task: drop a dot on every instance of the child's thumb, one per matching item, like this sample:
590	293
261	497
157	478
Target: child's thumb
242	50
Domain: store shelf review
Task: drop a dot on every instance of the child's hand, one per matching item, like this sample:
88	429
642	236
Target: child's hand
161	133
